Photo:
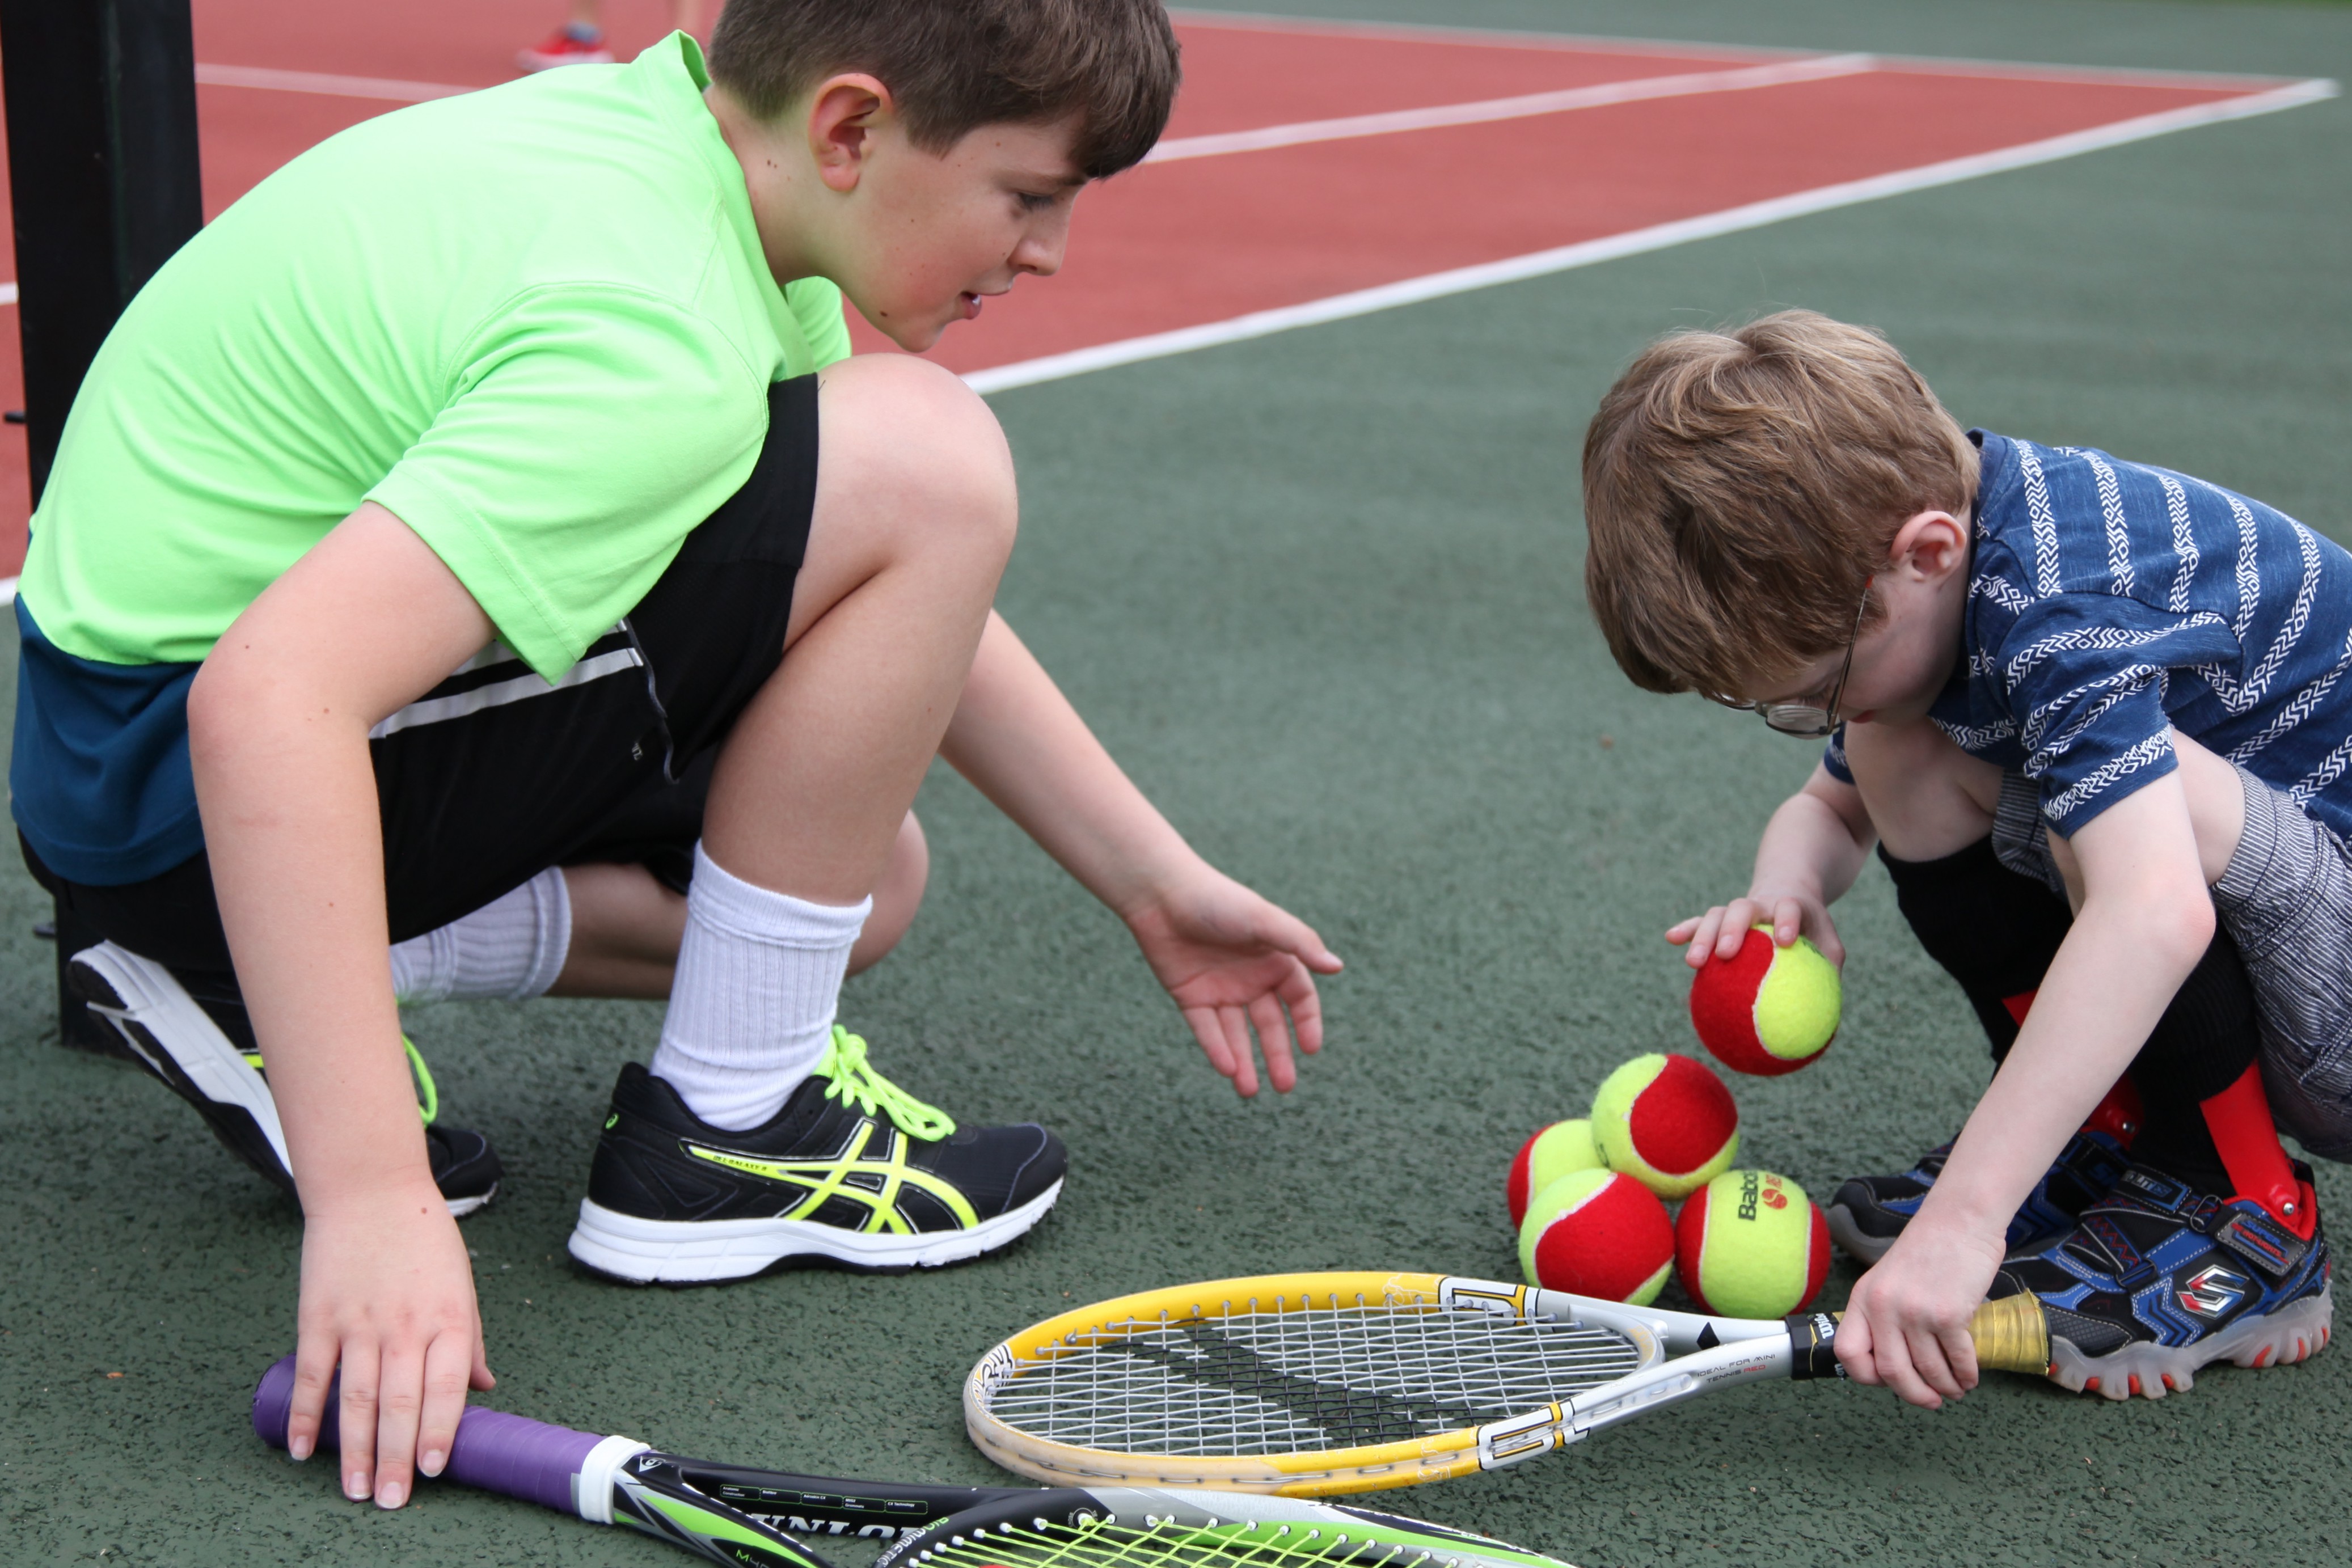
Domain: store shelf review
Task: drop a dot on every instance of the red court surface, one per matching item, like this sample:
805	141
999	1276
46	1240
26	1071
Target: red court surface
1205	232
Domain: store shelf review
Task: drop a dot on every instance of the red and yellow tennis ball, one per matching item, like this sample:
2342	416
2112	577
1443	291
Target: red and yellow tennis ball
1667	1120
1766	1010
1751	1246
1550	1153
1598	1233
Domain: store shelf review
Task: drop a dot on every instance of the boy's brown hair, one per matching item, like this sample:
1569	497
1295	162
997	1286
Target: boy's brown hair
1741	487
954	66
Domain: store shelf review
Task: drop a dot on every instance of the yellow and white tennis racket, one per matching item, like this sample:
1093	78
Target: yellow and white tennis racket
1317	1385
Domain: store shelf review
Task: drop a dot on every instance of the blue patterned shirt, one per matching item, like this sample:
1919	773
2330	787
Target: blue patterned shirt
2109	601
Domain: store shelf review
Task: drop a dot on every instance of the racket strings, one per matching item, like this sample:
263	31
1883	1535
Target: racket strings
1104	1544
1301	1380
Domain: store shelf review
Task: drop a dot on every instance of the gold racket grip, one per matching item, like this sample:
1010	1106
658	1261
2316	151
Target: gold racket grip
2011	1335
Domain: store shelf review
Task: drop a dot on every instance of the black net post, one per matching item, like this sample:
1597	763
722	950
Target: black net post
102	162
102	165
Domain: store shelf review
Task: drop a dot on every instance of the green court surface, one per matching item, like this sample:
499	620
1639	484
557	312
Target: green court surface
1321	593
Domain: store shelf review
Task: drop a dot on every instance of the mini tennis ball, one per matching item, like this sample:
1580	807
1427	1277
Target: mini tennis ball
1768	1009
1752	1246
1667	1120
1550	1153
1598	1233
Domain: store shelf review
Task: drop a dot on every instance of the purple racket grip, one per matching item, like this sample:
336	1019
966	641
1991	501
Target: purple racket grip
495	1451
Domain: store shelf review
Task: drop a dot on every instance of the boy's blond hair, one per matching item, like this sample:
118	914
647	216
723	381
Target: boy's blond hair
1741	487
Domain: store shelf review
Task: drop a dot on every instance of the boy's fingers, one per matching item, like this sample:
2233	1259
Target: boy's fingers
1787	922
1306	1005
1928	1360
1235	1023
447	1364
1211	1032
1893	1356
1682	931
358	1420
1960	1356
399	1401
314	1371
1274	1039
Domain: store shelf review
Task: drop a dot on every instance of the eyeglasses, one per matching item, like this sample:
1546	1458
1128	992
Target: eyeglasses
1802	719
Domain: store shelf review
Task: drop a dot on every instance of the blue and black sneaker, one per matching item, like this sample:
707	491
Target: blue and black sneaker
2159	1279
1867	1213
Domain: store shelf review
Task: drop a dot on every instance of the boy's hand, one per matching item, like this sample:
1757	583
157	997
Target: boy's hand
388	1296
1907	1323
1232	959
1719	933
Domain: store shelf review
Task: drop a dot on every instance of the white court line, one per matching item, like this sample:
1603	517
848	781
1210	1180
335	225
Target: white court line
7	294
1780	74
1667	48
326	84
7	591
1756	214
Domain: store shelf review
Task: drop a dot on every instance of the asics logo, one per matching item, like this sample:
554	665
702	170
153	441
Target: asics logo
2212	1291
853	1175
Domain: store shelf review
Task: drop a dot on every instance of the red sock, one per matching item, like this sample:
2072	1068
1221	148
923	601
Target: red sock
2240	1120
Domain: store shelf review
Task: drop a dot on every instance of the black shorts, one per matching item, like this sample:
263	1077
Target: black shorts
494	775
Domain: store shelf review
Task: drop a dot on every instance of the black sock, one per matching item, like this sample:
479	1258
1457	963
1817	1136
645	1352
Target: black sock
1992	930
2203	1044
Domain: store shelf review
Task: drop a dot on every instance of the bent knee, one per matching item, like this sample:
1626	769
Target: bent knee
901	436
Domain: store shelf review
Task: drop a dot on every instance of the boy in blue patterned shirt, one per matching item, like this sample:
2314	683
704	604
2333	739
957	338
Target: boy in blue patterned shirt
2092	715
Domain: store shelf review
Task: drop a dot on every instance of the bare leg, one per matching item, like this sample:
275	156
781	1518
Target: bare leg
897	897
626	926
588	13
1926	797
907	541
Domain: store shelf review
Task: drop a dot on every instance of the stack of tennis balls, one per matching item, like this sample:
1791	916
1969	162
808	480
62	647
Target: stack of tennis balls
1589	1197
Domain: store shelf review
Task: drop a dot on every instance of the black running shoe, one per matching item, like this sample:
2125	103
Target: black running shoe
2158	1281
853	1169
187	1043
1867	1213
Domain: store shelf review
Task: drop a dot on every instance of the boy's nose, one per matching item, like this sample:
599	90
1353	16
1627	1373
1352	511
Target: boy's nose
1042	252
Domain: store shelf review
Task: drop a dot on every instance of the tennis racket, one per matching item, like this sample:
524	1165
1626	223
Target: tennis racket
727	1513
1317	1385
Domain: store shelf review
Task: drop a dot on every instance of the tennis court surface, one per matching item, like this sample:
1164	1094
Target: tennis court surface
1297	429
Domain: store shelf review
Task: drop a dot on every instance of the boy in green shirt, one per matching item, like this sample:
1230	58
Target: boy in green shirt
548	386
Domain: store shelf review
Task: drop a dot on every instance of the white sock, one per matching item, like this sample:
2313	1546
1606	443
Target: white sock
512	947
759	979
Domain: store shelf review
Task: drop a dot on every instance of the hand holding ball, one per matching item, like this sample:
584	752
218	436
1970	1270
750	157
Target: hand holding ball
1768	1009
1667	1122
1752	1246
1598	1233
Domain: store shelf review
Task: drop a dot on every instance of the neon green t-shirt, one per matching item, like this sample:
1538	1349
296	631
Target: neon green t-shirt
533	322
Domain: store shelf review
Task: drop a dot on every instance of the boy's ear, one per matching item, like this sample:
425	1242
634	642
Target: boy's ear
1936	544
843	113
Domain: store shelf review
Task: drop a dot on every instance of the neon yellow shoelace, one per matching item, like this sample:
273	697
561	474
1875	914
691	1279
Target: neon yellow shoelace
856	1084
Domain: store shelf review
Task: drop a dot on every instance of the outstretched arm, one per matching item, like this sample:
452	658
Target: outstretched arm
2146	920
1229	957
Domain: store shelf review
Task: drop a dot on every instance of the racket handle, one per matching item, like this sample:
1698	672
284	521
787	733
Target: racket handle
493	1450
2013	1334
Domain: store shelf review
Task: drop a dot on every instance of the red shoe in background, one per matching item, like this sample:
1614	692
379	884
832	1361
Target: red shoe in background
566	46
